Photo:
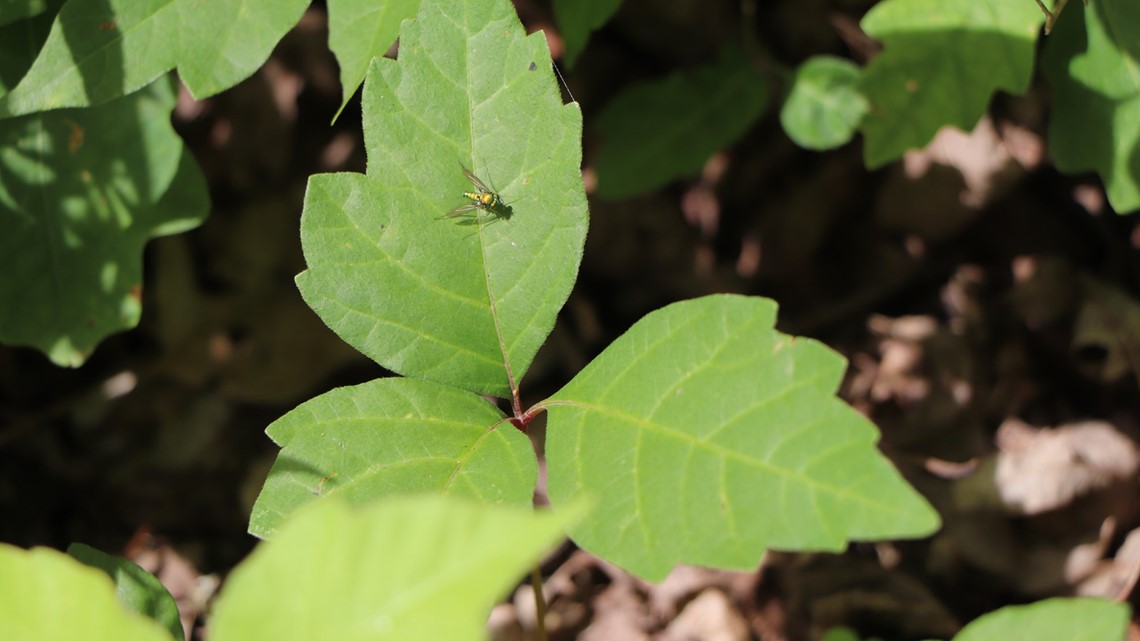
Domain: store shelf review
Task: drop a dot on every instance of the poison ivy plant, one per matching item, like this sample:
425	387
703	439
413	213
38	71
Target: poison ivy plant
81	192
100	51
823	108
420	567
657	131
578	20
138	589
1092	60
703	402
360	30
941	62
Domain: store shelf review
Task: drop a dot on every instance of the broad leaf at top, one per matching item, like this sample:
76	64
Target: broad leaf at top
394	436
420	567
941	62
138	589
657	131
578	19
1051	620
823	107
360	30
45	594
707	436
1092	61
430	297
99	51
81	192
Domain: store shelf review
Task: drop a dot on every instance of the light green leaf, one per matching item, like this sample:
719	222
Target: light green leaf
823	108
138	589
46	595
940	64
708	436
429	297
657	131
16	10
578	19
422	567
394	436
81	192
1052	620
97	52
360	30
1092	64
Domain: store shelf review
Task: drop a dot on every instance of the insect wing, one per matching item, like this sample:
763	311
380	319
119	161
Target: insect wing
475	180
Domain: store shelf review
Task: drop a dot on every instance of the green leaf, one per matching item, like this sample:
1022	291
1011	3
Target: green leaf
1092	63
708	437
44	594
138	589
360	30
823	108
81	192
394	436
434	298
423	567
19	44
657	131
940	64
97	52
1051	620
16	10
578	20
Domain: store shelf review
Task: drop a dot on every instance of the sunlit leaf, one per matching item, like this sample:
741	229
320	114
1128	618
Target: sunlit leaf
707	436
394	436
421	567
360	30
433	298
823	108
100	51
941	63
45	594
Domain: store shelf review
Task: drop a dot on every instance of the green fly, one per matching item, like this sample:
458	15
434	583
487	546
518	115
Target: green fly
483	200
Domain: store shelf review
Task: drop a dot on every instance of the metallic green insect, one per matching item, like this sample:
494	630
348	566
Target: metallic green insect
483	200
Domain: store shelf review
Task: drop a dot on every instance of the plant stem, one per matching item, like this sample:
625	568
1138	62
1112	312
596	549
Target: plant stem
539	602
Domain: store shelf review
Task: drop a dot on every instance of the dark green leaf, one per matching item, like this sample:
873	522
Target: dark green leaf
1091	60
578	19
81	192
138	589
657	131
